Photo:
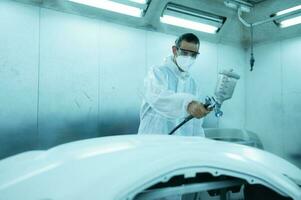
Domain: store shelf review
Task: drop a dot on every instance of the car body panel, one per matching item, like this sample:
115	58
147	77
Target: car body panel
119	167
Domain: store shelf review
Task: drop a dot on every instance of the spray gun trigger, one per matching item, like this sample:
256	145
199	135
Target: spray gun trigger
211	103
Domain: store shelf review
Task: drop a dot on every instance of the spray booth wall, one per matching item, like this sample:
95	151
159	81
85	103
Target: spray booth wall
273	93
66	77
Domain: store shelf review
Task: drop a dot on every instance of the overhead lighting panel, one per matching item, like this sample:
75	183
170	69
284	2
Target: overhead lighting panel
291	17
136	8
290	22
190	18
289	10
140	1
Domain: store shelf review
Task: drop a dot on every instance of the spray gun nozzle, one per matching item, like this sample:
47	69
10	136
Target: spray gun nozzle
211	103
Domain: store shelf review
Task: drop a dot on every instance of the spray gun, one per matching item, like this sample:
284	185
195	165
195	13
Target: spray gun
224	90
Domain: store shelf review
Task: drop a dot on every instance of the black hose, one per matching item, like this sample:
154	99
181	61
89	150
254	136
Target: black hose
181	124
185	121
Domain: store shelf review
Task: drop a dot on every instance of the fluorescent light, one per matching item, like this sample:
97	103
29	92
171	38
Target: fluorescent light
188	24
191	18
112	6
290	22
291	17
288	10
139	1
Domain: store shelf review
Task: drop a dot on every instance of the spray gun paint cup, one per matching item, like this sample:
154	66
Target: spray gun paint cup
224	89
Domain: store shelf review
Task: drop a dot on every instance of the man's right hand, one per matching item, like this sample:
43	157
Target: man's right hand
197	109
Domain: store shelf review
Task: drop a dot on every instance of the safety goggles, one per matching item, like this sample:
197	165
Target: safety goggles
185	52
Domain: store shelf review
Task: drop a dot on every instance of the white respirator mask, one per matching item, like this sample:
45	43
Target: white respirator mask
185	62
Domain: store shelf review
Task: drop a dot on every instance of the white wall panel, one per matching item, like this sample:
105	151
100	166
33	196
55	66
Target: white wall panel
273	97
263	100
19	37
68	78
291	59
122	68
291	63
158	47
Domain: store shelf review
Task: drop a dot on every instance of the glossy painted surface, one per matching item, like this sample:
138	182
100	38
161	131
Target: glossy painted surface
120	167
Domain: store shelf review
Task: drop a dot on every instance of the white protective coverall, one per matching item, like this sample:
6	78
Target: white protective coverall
167	93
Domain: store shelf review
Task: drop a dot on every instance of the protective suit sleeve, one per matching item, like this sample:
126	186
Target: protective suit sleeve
166	102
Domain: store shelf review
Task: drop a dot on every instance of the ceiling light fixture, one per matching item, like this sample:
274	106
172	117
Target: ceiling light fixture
116	6
290	22
288	10
140	1
291	17
191	18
